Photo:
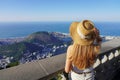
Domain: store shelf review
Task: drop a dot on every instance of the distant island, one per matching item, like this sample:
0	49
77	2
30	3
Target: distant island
36	46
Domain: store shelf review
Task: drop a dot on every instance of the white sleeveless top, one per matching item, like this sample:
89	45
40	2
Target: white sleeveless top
75	69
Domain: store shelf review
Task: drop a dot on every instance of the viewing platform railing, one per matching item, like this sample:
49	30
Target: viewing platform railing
107	64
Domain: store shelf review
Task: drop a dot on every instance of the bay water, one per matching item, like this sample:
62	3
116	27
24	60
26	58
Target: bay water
22	29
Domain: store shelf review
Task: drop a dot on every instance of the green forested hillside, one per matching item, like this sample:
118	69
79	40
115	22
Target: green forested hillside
31	43
43	38
15	49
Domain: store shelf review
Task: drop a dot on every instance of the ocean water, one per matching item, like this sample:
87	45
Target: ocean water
22	29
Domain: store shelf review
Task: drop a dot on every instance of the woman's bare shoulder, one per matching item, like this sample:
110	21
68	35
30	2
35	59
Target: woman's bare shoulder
69	50
70	47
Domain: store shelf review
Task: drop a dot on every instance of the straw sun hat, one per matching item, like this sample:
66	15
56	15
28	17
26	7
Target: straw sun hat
82	32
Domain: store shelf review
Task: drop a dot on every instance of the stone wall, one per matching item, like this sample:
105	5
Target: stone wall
106	66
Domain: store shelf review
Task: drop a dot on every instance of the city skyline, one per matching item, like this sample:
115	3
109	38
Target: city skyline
59	10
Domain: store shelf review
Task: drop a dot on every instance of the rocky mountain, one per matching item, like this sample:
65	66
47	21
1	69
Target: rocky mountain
43	38
36	46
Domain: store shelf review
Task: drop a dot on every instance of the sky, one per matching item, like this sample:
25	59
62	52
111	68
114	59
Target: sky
59	10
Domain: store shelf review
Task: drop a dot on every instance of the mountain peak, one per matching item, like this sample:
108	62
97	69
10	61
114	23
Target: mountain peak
43	37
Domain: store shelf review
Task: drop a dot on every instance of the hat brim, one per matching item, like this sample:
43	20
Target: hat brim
75	36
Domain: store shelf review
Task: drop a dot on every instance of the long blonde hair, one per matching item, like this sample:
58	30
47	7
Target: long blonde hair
83	56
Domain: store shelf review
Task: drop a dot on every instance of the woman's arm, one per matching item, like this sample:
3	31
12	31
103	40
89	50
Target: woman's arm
68	64
98	41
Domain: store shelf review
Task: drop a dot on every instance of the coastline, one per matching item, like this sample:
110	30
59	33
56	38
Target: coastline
19	39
